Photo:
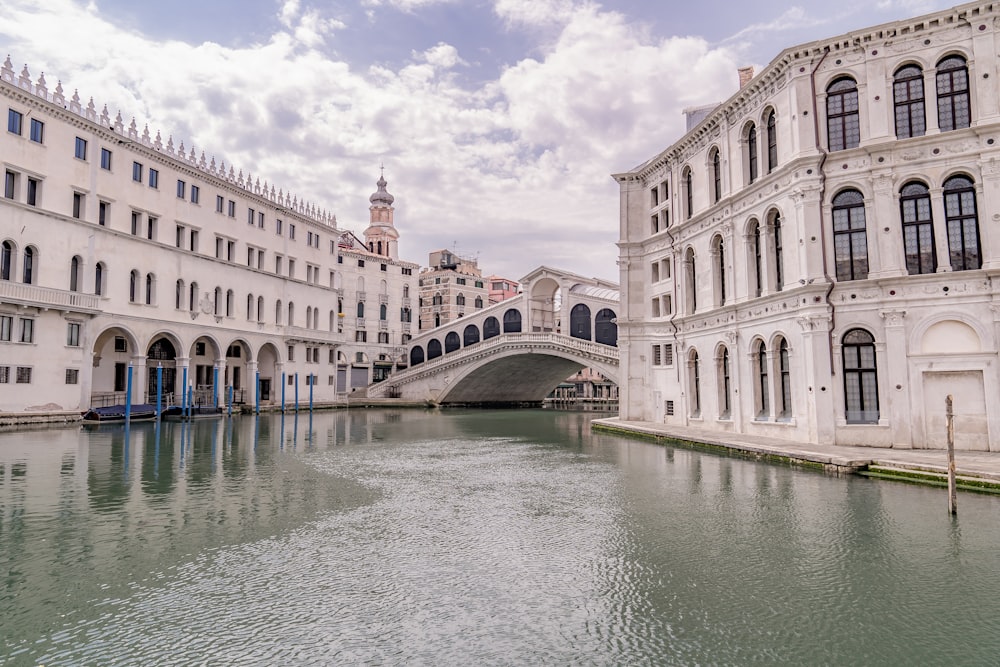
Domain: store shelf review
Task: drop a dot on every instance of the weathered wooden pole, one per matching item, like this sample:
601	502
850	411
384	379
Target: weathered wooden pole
952	493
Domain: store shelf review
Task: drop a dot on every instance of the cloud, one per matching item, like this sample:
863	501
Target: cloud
517	169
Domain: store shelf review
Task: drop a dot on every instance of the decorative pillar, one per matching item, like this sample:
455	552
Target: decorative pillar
895	394
941	255
139	379
219	390
181	364
251	383
820	410
884	231
988	205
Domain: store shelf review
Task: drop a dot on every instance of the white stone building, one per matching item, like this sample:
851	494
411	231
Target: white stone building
118	248
815	258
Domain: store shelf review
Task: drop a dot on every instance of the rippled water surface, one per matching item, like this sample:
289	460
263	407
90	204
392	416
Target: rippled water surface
456	538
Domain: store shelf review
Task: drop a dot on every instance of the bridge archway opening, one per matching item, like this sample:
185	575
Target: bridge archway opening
433	349
606	327
512	321
451	342
545	300
579	322
416	355
491	328
470	336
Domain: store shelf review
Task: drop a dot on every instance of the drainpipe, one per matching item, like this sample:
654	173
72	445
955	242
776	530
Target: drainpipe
822	196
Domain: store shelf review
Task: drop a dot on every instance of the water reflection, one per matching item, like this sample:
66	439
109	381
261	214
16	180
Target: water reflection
507	537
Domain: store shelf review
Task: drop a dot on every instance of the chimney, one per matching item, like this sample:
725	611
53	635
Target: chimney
746	73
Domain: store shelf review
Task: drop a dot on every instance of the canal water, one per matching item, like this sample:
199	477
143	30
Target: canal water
471	537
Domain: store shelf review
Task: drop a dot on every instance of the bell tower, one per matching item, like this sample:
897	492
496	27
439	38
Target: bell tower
381	236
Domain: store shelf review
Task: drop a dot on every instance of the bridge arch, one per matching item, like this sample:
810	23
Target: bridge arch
606	327
491	328
433	349
416	355
470	335
512	321
579	322
451	342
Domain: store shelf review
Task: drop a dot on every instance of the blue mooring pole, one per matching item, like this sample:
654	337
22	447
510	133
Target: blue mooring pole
128	396
230	400
312	383
215	387
159	390
296	392
282	392
256	393
184	385
190	402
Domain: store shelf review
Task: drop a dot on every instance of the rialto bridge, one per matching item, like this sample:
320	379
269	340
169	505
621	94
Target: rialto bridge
515	351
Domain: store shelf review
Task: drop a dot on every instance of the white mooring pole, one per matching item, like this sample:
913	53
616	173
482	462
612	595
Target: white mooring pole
952	494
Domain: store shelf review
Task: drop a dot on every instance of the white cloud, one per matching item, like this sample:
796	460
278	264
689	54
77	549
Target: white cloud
517	169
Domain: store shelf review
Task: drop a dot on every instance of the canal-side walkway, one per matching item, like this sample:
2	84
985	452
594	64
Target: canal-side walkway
974	470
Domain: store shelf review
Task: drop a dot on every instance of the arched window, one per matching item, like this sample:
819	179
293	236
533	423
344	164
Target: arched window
74	274
433	349
383	311
416	355
230	302
752	153
470	336
309	317
779	262
291	313
279	309
579	322
491	328
918	228
260	309
28	273
437	320
99	279
218	301
460	300
361	309
953	94
512	321
962	223
908	101
763	387
250	302
719	260
406	291
784	380
725	386
690	286
133	286
179	294
850	238
437	300
193	297
756	250
860	378
694	376
6	260
772	142
843	125
452	342
150	284
716	175
688	193
479	302
606	327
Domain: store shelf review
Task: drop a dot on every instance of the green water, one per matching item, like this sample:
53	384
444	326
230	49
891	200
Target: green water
471	537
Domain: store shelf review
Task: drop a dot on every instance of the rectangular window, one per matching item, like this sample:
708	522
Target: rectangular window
361	263
260	219
9	184
154	178
219	203
151	229
361	336
72	376
24	375
230	250
121	345
137	172
77	205
277	227
291	268
407	272
655	272
218	247
73	334
4	374
383	267
250	255
459	281
657	355
80	151
309	238
232	209
32	198
6	326
136	217
37	129
102	213
105	159
291	231
260	260
668	354
656	307
27	330
291	356
14	120
277	265
181	189
195	194
250	213
194	241
668	304
179	236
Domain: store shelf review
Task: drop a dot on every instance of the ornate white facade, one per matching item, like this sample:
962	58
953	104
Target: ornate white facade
118	249
815	259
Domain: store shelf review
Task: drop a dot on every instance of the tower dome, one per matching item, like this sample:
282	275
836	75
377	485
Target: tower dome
381	197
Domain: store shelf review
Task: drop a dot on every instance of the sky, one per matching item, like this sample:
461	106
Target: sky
498	122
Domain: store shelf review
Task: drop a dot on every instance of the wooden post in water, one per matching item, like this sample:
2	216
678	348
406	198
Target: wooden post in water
950	418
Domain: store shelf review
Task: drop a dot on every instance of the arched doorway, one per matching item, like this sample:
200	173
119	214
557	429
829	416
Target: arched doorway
161	354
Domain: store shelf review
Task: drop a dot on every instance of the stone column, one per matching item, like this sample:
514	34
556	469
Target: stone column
820	410
988	205
251	383
940	231
884	231
811	215
220	388
181	363
139	379
895	403
736	411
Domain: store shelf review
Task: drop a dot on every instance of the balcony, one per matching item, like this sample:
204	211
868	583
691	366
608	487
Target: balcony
46	297
360	323
361	296
406	302
383	325
383	298
311	335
